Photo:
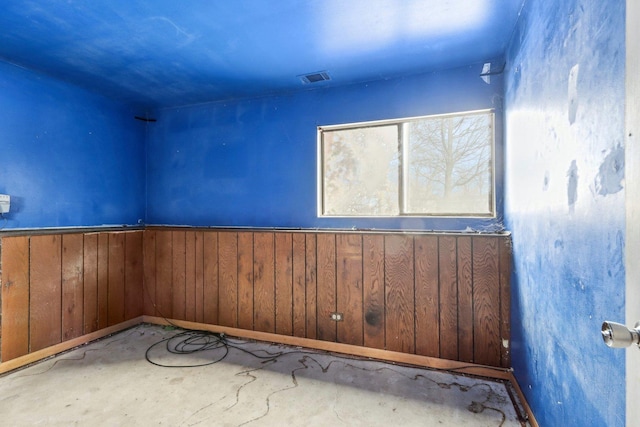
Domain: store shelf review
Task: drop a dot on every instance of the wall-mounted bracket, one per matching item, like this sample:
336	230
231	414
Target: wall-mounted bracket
5	203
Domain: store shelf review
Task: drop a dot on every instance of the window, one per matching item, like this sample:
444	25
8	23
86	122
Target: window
424	166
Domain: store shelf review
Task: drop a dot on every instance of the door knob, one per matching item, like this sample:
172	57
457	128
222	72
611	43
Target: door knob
617	335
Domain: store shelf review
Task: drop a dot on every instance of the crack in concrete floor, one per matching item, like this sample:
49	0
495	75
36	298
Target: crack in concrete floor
109	382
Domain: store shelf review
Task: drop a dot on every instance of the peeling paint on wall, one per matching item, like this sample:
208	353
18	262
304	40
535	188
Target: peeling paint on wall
611	173
573	93
572	185
545	182
565	123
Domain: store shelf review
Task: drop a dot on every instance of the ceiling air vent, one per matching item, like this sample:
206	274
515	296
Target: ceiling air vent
320	76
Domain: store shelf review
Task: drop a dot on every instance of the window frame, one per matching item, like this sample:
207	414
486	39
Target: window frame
403	167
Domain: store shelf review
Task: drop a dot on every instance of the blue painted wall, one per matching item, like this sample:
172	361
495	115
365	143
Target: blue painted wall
69	157
253	162
565	205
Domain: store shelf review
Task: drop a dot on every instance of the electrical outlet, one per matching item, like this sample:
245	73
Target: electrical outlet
338	317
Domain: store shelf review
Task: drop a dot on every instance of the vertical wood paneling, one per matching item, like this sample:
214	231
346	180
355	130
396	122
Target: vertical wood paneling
45	306
399	291
164	274
299	287
90	282
505	302
486	295
179	288
103	280
326	290
349	294
465	300
116	279
228	278
15	297
76	285
245	280
311	281
190	276
427	296
447	261
264	282
373	290
284	283
72	286
199	276
210	280
149	266
445	296
133	275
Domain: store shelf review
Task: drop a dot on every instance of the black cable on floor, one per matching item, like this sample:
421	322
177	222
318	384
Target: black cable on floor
195	341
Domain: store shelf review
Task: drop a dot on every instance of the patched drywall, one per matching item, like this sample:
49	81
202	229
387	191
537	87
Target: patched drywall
565	205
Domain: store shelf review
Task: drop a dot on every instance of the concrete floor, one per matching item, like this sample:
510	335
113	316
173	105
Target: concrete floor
110	383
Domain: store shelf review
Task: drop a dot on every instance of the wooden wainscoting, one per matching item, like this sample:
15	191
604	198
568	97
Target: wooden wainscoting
436	295
58	287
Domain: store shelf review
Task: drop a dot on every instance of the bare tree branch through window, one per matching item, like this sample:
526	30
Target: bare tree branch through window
435	165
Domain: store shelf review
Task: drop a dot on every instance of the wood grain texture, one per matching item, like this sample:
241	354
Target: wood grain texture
373	290
190	276
264	313
67	285
245	280
164	274
431	295
349	293
228	278
15	297
199	276
299	294
399	293
116	279
103	280
427	296
133	275
90	282
326	287
72	286
284	283
178	275
465	301
447	261
486	310
311	283
149	268
505	302
45	305
210	280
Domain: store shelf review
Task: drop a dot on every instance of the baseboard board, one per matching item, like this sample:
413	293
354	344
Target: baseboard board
36	356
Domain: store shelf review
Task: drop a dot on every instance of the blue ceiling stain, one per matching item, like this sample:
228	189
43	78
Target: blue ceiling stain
168	53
